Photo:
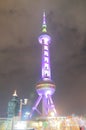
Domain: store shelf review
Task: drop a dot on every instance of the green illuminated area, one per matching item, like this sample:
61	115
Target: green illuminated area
44	28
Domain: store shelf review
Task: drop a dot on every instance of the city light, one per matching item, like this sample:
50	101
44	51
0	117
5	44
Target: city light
20	125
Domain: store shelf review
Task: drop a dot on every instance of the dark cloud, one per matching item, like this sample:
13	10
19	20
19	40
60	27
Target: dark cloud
20	52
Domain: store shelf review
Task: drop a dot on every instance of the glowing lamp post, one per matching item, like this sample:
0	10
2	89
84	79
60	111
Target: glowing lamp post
21	104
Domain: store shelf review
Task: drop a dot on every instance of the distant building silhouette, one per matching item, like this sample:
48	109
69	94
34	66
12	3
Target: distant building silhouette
13	106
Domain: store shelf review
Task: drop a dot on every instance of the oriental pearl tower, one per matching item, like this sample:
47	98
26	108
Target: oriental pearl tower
45	87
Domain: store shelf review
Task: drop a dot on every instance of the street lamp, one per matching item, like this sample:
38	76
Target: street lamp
21	104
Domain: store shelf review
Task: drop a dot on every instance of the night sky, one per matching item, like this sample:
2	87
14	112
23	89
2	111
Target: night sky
20	52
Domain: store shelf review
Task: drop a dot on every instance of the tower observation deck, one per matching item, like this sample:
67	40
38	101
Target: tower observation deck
46	87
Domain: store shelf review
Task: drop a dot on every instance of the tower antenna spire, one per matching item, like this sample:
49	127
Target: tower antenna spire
44	25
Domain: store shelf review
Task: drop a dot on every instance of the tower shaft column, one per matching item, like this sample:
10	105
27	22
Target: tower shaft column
46	71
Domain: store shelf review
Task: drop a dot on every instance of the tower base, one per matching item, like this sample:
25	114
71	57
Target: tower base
48	108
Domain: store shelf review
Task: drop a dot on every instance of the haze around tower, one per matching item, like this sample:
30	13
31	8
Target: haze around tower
20	52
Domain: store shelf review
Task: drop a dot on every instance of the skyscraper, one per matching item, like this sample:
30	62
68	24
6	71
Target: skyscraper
46	87
13	106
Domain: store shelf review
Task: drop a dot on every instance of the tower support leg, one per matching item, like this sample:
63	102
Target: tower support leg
51	105
36	105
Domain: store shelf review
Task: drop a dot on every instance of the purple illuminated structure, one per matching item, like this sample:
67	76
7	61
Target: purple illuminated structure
46	87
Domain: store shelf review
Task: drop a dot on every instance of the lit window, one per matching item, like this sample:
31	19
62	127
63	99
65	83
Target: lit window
46	66
46	59
45	47
45	53
47	74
